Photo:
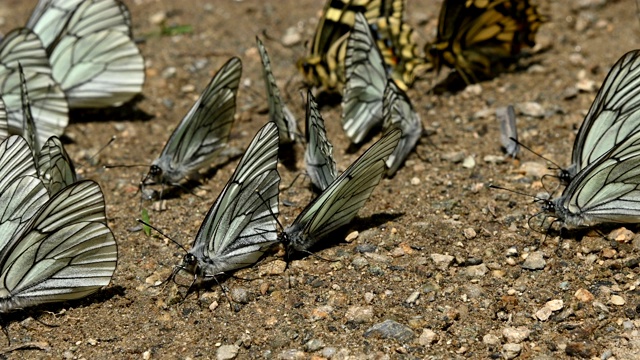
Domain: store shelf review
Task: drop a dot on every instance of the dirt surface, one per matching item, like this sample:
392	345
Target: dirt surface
437	252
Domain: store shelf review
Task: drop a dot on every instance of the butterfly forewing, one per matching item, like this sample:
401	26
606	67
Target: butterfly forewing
399	113
342	200
65	252
508	132
241	224
366	80
318	155
16	160
279	113
204	131
55	167
20	201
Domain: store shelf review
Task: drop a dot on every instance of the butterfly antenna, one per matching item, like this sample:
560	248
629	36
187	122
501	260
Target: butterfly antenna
535	198
111	141
558	167
318	256
163	234
275	216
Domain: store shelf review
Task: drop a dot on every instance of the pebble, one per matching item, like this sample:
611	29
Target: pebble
586	85
329	352
226	352
292	354
493	159
511	351
535	261
413	297
491	340
313	345
291	37
351	236
145	355
366	248
516	335
359	262
368	297
169	72
543	313
584	295
213	305
555	305
276	267
321	312
477	270
531	108
241	295
188	88
469	162
427	337
415	181
453	157
622	235
581	350
359	314
442	262
617	300
158	18
390	329
469	233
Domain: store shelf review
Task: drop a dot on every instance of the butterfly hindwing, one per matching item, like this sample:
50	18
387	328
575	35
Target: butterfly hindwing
55	167
366	81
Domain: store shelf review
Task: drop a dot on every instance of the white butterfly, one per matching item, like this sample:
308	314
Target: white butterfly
203	132
4	121
241	224
398	112
65	251
93	56
49	106
507	118
279	113
318	155
613	116
366	80
55	167
342	200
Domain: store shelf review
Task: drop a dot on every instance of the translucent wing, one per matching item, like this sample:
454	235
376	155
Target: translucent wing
19	202
366	80
55	167
241	224
94	58
398	112
203	132
48	103
613	116
342	200
66	252
29	131
278	111
4	121
322	67
606	191
318	155
16	160
507	118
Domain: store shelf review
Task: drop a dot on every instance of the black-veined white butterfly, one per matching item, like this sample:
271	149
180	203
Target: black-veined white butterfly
279	113
55	167
203	132
93	57
613	116
241	224
318	155
342	200
49	106
65	251
365	84
507	118
16	160
399	113
4	121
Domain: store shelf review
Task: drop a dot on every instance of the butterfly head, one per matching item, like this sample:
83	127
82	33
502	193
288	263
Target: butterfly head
190	263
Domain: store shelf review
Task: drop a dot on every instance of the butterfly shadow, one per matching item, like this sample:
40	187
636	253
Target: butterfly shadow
354	148
127	111
287	156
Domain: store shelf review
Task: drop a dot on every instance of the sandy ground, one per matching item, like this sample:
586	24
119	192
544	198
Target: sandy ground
437	252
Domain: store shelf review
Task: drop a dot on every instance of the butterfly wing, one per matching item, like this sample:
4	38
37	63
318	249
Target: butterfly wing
241	224
318	155
16	160
342	200
66	252
278	111
366	80
4	121
49	106
55	167
204	131
613	116
507	118
20	200
398	112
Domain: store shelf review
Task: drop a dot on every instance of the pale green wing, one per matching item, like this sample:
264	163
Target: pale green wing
506	117
318	154
21	200
279	113
55	167
399	113
365	83
16	160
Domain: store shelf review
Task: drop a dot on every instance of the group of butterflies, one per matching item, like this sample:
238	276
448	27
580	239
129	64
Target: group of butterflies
477	38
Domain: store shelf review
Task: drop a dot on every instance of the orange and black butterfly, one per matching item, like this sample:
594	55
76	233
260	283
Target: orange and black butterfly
324	66
476	36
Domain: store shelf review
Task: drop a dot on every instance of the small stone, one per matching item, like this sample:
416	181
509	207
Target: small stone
477	270
359	314
276	267
313	345
544	313
368	297
413	297
291	37
415	181
617	300
586	85
535	261
581	350
359	262
469	233
491	340
321	312
92	342
609	253
583	295
227	352
531	108
493	159
427	337
292	354
516	335
453	157
189	88
469	162
511	351
442	262
329	352
213	305
621	235
366	248
158	18
241	295
390	329
474	89
145	355
555	305
351	236
169	72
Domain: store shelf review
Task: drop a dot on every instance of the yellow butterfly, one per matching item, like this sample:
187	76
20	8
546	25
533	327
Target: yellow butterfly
324	66
476	36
